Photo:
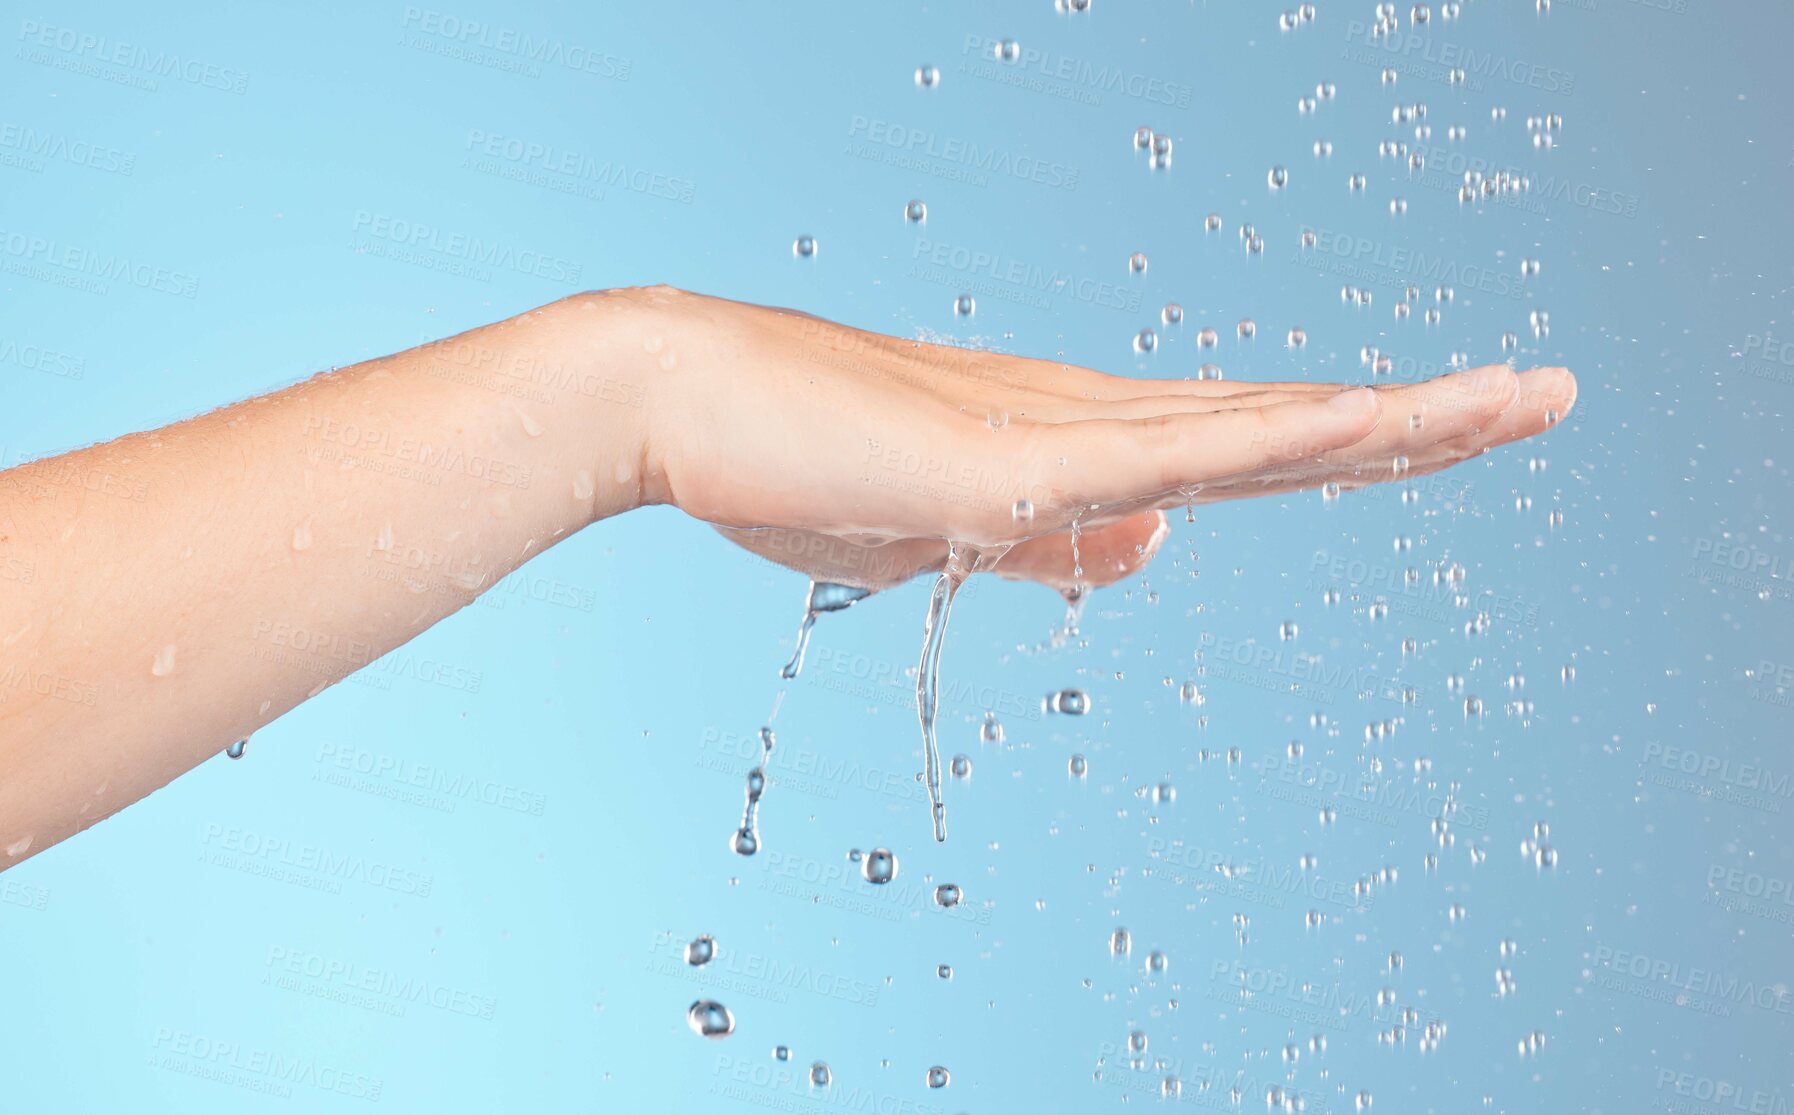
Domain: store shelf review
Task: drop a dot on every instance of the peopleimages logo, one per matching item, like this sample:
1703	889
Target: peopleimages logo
1400	265
1447	167
1067	77
507	48
1471	62
972	265
1722	1094
67	49
918	144
462	250
87	269
1766	356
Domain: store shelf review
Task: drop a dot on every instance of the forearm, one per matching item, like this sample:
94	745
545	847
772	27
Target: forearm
172	591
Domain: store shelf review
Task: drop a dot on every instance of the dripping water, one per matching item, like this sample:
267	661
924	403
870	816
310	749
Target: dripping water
747	838
824	596
962	561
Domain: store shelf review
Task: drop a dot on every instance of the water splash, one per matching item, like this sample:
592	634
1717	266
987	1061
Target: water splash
824	596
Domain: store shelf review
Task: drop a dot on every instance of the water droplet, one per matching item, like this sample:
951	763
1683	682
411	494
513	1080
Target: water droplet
916	210
1007	50
1121	942
700	950
946	896
1287	631
1247	329
1137	263
1145	341
1298	337
163	664
944	971
1212	223
1071	702
939	1077
927	77
961	766
1278	177
1172	314
965	305
1142	139
879	866
709	1018
236	749
819	1075
804	247
1078	766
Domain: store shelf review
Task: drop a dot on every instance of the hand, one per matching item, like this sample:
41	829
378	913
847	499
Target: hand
856	458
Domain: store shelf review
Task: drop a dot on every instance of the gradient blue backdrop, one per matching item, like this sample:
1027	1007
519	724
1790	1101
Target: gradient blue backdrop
461	880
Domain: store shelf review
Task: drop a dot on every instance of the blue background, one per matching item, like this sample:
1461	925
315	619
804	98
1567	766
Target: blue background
463	878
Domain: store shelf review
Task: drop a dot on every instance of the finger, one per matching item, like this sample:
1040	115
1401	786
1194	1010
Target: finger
1071	381
1059	409
1108	461
1416	417
1543	396
1102	555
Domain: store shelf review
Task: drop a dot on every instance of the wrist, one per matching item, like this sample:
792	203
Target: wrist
581	391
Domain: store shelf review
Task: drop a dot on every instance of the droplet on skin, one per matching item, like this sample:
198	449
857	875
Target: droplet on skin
19	847
164	662
302	536
623	472
653	343
530	426
383	540
583	487
668	360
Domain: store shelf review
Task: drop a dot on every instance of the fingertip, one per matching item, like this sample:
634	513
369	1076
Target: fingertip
1551	389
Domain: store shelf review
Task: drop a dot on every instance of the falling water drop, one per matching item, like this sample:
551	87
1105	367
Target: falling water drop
709	1018
700	950
879	866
